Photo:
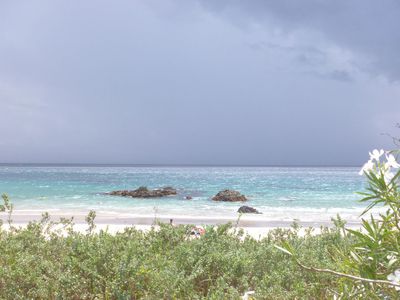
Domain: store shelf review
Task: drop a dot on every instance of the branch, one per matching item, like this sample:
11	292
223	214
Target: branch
352	277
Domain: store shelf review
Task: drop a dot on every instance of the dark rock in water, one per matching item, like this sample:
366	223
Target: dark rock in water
248	210
188	197
144	192
229	196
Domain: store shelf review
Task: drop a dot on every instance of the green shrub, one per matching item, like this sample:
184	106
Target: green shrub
369	267
41	262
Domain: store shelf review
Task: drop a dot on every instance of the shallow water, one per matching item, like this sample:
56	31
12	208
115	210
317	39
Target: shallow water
279	192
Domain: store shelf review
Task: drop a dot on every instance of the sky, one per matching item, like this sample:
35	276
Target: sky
260	82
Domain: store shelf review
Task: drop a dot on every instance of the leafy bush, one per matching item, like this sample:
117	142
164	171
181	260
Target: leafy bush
48	260
369	268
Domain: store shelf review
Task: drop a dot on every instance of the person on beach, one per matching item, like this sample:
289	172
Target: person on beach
197	231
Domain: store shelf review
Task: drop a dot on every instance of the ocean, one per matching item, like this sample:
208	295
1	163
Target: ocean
280	193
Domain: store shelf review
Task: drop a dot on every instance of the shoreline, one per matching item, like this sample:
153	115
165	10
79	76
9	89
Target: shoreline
257	231
243	221
256	226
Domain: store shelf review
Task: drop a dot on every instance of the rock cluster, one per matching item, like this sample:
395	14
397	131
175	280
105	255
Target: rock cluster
248	210
144	192
229	196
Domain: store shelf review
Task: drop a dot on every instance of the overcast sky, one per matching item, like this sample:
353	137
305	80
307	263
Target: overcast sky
198	82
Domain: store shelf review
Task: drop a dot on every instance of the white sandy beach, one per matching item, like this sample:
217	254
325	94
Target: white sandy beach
256	226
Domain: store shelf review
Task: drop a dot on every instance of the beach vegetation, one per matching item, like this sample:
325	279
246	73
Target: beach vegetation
50	260
369	267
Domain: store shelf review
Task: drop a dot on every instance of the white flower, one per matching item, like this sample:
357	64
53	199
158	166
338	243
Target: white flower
391	162
247	294
388	176
395	278
376	154
367	167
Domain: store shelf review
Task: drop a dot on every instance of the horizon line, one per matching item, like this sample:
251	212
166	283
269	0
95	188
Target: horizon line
174	165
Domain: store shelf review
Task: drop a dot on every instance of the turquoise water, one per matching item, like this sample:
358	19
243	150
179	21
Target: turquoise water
281	192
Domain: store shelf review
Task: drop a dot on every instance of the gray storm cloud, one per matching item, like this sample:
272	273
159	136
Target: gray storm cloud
198	82
369	28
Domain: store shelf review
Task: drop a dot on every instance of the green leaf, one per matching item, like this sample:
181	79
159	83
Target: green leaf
283	250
